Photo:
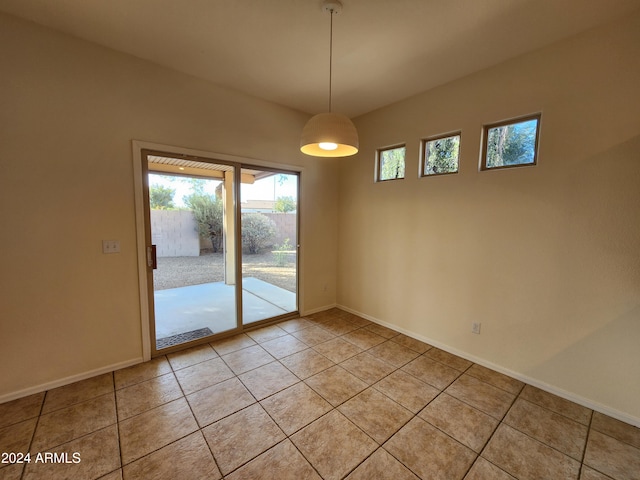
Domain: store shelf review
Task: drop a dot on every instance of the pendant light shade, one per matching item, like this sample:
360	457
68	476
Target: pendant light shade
329	135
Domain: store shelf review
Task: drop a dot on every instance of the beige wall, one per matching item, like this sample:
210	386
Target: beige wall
69	111
546	257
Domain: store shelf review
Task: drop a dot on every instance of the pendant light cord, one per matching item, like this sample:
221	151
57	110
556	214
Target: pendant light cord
330	55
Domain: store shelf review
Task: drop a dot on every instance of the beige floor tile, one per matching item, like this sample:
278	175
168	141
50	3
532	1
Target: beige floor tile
381	330
191	356
313	335
376	414
247	359
241	437
496	379
202	375
548	427
486	398
21	409
153	429
588	473
78	392
282	462
431	372
284	346
187	458
232	344
612	457
429	453
411	343
381	466
526	458
265	334
295	407
363	338
115	475
12	472
338	326
484	470
337	350
16	438
98	454
367	368
407	390
295	325
141	372
75	421
268	379
356	320
336	385
615	428
557	404
218	401
306	363
448	359
393	353
333	445
146	395
467	425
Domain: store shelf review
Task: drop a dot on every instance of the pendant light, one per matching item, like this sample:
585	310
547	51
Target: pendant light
329	134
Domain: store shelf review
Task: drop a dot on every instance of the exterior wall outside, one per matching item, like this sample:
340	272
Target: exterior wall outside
175	233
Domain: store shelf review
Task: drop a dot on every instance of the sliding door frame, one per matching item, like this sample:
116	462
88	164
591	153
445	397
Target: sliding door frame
143	231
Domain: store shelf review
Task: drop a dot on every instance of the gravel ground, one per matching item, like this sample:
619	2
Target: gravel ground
176	272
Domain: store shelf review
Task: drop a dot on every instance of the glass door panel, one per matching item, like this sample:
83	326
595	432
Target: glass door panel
269	226
192	220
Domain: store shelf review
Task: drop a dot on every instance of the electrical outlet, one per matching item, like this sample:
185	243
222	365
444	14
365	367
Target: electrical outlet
111	246
475	328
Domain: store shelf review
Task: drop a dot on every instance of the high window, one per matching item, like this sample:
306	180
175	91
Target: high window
511	144
390	163
440	154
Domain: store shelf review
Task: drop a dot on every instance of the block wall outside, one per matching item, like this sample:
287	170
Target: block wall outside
175	233
286	226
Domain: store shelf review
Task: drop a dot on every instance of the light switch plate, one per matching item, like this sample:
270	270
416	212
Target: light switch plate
111	246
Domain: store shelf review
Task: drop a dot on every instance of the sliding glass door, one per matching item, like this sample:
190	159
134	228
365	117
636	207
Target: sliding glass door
222	243
269	219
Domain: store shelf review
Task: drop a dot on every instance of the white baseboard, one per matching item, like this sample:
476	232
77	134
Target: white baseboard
7	397
316	310
585	402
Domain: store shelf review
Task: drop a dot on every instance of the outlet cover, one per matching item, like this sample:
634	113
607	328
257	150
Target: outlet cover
475	327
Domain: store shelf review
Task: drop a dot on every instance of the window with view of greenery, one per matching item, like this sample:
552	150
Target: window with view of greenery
391	163
440	155
511	144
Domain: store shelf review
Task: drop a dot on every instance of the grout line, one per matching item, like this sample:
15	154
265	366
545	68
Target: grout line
586	443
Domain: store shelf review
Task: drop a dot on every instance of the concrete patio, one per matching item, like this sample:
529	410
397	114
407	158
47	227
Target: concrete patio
212	305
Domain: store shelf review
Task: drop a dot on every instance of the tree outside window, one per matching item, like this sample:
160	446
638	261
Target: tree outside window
510	144
391	163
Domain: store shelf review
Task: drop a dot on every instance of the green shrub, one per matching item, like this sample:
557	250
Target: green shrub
280	253
207	210
257	231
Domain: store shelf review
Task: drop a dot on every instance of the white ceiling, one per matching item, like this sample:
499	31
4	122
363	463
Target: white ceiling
278	50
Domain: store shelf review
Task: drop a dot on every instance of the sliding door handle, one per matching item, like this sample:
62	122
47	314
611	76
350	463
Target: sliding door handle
152	260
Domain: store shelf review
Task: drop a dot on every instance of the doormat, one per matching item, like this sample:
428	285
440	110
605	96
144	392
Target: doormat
182	338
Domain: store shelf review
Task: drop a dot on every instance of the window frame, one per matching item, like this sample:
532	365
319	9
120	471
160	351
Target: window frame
379	152
423	153
512	121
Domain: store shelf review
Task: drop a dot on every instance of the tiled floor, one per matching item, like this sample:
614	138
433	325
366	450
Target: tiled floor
331	396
